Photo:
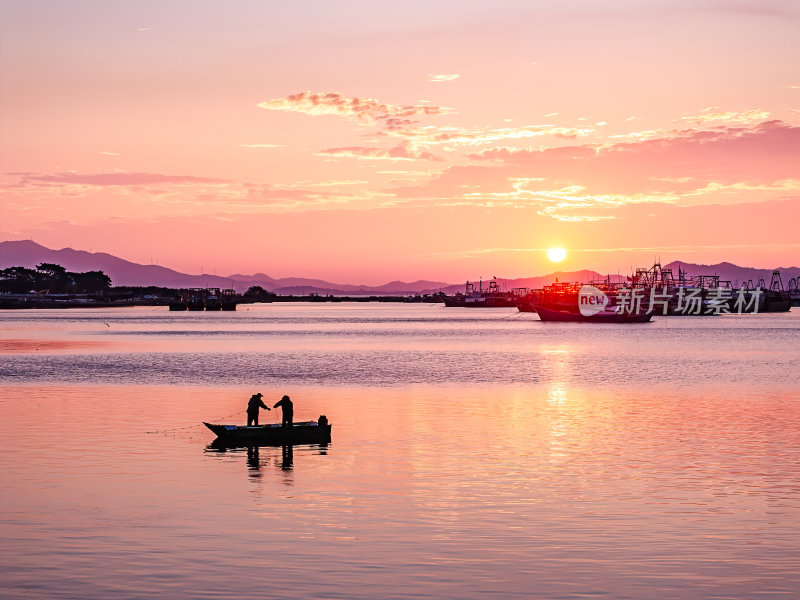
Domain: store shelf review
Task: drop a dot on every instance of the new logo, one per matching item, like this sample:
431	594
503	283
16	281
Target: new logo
591	300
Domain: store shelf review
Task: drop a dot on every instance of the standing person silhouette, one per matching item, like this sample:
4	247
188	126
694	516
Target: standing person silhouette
252	409
288	410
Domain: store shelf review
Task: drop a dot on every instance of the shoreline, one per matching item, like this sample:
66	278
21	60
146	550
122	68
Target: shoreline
33	301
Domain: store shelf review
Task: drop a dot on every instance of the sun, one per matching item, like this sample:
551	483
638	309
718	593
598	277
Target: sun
556	254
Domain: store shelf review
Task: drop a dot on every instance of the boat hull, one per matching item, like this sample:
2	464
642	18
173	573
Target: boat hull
549	314
480	302
271	435
526	307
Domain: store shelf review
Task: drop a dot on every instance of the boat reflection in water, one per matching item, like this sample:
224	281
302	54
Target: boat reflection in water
235	438
256	460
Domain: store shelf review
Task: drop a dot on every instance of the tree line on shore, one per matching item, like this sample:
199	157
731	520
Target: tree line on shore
52	278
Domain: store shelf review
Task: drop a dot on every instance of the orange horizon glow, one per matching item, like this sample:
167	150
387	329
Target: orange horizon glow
375	142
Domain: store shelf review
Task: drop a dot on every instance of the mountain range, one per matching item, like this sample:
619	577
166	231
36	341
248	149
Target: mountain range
26	253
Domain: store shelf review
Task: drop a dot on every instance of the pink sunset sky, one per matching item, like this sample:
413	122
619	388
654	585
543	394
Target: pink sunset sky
366	141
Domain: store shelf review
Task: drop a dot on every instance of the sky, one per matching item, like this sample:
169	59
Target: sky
365	142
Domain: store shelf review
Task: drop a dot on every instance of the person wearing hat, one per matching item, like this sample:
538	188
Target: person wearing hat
288	410
252	409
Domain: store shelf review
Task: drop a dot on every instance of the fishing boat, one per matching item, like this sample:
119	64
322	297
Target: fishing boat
611	316
586	304
178	304
480	298
303	432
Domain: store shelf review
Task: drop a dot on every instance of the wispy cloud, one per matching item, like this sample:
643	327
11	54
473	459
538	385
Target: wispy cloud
403	122
293	198
401	152
183	194
768	152
563	204
476	137
783	185
443	77
330	183
115	179
714	115
109	153
647	134
665	249
359	109
592	181
282	196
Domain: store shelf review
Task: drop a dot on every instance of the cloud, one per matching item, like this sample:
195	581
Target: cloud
261	145
401	152
443	77
714	115
476	137
402	122
330	183
282	196
561	203
364	110
782	185
724	165
289	199
115	179
665	249
766	152
153	193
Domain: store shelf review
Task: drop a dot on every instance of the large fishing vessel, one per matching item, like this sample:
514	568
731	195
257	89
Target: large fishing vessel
657	291
585	303
480	298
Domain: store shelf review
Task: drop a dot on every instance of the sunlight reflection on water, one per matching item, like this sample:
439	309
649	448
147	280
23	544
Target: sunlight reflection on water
391	345
471	457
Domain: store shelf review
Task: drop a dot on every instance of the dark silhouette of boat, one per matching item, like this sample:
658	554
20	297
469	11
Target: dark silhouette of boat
657	291
208	299
776	299
178	304
195	301
573	302
793	291
304	432
228	299
480	298
553	314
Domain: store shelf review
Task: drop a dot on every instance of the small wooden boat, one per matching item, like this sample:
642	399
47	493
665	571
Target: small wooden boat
303	432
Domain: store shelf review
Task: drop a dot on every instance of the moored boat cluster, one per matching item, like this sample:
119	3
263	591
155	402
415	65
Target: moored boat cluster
654	291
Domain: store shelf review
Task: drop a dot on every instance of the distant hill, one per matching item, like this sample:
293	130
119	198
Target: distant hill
26	253
122	272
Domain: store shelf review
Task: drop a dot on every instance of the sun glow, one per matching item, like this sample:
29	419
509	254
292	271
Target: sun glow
556	254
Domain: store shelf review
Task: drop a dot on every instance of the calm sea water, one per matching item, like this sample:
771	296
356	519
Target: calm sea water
476	454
